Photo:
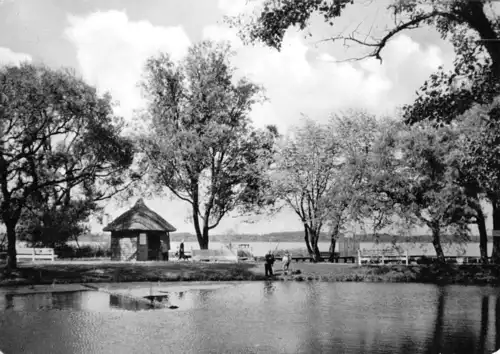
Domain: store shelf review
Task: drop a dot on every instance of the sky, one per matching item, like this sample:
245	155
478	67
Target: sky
107	42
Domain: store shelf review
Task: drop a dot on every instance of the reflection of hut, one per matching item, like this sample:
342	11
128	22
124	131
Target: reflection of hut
136	234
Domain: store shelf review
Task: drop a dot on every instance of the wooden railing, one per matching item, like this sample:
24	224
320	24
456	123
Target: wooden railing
36	254
382	255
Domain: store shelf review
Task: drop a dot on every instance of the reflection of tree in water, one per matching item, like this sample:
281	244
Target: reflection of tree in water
460	337
124	303
9	301
269	288
483	333
312	341
434	345
497	323
202	296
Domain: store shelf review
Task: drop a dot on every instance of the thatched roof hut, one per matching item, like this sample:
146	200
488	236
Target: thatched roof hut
140	218
136	234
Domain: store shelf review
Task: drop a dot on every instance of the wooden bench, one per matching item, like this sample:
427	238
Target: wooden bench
337	257
294	258
35	254
324	255
381	256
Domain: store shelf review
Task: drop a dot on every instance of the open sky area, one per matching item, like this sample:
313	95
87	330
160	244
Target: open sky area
107	42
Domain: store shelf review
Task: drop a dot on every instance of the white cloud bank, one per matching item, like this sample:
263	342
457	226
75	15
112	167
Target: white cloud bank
111	51
9	57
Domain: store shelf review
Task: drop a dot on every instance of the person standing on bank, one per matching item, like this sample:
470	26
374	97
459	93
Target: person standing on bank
164	250
287	258
181	250
268	266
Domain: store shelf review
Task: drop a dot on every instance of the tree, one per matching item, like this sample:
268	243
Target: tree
56	134
305	175
271	21
478	161
424	184
443	99
471	26
359	135
52	224
201	145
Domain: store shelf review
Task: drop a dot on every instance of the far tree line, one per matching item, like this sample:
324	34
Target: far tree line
63	150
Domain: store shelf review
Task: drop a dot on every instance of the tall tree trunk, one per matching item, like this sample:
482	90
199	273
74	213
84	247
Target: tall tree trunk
201	234
204	243
477	19
495	254
333	241
11	245
314	245
436	242
197	227
483	235
307	241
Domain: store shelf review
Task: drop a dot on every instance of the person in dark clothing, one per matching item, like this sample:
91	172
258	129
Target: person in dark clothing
181	250
268	266
164	250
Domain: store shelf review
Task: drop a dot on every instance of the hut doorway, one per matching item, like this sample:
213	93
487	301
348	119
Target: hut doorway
154	247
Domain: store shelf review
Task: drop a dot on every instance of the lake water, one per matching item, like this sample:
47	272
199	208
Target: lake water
259	249
259	317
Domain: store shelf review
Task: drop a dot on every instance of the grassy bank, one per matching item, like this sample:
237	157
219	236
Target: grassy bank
98	272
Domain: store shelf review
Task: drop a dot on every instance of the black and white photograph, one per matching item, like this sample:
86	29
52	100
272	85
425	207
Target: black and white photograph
249	176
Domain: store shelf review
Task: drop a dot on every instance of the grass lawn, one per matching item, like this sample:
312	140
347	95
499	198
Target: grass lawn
65	272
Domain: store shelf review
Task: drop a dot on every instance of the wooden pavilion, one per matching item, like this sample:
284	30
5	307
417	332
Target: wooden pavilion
137	234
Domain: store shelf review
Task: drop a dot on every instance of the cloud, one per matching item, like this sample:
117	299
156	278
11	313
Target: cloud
7	56
304	79
111	51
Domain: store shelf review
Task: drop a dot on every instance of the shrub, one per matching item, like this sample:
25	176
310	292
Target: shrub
87	251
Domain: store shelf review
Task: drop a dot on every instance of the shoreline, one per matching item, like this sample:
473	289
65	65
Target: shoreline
40	274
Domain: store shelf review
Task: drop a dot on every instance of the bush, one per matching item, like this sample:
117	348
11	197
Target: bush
87	251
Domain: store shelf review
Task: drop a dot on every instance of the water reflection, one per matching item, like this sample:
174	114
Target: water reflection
497	322
435	344
484	323
261	317
126	303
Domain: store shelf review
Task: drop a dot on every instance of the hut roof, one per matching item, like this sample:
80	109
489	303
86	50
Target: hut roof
139	218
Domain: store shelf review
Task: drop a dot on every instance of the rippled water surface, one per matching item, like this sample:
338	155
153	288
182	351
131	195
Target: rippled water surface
285	317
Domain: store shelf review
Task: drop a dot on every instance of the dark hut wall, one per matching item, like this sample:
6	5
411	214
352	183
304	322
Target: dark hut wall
124	245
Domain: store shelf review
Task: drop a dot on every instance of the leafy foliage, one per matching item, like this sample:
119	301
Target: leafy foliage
269	23
58	140
425	187
306	171
201	145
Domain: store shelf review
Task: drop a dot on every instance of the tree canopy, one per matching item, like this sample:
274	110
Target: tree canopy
201	145
59	140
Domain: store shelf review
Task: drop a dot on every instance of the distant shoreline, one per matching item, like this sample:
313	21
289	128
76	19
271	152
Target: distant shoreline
292	236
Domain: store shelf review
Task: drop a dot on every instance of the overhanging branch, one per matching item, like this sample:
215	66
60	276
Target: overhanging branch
380	44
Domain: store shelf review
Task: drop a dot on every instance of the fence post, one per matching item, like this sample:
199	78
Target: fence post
32	254
406	254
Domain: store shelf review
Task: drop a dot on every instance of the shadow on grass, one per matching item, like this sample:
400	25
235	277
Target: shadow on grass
29	274
120	272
